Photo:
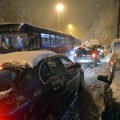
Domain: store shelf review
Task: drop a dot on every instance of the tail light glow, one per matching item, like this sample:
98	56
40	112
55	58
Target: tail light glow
1	67
111	62
2	118
93	55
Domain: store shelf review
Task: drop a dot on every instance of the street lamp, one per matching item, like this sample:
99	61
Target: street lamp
59	8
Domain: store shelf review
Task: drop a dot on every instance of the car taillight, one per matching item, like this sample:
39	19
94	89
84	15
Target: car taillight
3	112
1	67
3	118
111	62
94	55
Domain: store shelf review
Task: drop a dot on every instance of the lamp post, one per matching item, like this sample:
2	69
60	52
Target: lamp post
118	21
59	8
71	29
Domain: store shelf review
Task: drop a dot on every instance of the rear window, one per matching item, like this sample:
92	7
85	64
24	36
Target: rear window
88	50
81	51
6	78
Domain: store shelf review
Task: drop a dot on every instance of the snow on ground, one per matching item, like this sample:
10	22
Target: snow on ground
96	100
95	87
91	100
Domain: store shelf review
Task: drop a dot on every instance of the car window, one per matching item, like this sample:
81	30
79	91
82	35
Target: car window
90	50
116	46
51	70
81	51
45	73
6	77
67	63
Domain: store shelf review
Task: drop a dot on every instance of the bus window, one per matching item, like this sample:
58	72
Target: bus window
38	43
62	41
14	41
45	40
53	41
58	44
67	41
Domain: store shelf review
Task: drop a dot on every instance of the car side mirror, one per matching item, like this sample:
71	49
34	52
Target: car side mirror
77	65
103	78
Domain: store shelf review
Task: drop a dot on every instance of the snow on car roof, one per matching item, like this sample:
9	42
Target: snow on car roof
25	57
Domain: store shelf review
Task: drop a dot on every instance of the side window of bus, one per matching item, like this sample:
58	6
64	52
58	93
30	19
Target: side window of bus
67	63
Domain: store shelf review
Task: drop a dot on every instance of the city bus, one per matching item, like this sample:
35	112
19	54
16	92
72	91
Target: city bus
19	37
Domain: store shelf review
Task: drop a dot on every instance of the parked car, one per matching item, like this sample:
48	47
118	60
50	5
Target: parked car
113	63
37	85
86	55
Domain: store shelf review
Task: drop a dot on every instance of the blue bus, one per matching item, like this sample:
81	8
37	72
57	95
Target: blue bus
19	37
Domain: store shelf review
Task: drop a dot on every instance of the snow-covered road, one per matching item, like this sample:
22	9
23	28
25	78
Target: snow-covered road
98	101
111	93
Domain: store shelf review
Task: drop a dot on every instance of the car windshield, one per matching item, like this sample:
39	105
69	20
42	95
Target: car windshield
6	78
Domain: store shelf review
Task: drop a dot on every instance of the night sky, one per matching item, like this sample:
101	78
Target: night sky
82	14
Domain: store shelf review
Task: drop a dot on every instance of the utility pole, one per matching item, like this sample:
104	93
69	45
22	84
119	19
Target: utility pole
118	22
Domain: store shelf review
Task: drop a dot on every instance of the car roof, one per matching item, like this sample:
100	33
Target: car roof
25	57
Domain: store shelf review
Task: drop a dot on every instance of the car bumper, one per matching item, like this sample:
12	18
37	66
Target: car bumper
84	61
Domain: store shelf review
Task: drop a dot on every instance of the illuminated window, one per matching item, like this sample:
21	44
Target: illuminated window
62	41
45	40
42	35
53	41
